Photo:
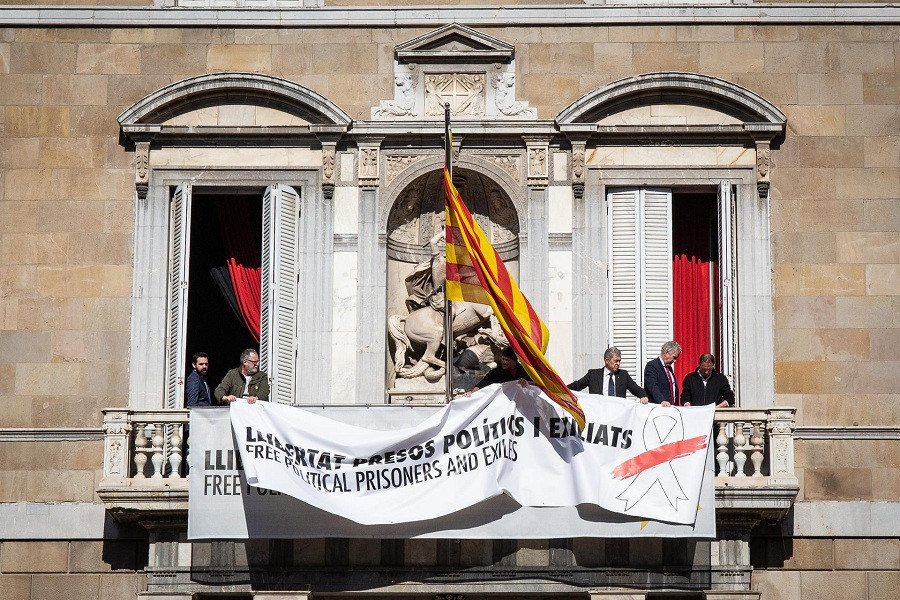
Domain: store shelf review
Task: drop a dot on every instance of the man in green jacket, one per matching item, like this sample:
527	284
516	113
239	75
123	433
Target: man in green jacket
245	381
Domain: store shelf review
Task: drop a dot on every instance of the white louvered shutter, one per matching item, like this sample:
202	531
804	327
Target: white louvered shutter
640	251
278	314
179	254
624	273
727	281
656	266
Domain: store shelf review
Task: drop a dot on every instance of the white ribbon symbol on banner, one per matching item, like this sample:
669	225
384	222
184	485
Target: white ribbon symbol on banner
662	427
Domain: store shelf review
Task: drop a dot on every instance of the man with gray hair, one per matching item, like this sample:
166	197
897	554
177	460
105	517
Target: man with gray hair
659	378
245	381
610	380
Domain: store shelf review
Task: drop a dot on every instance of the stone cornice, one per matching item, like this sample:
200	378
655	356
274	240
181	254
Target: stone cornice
432	16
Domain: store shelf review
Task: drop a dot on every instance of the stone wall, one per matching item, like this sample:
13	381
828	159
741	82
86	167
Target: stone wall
66	195
87	570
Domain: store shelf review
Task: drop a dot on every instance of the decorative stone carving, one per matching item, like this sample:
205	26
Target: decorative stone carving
763	153
142	168
403	221
505	99
328	170
463	91
578	151
508	163
328	161
394	164
368	165
404	102
538	153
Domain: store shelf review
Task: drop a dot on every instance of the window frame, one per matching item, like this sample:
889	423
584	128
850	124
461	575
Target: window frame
149	381
747	334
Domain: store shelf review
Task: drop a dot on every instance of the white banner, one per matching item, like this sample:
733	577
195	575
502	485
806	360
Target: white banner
643	461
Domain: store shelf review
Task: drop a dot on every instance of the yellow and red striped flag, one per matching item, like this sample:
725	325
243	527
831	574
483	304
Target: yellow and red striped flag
475	273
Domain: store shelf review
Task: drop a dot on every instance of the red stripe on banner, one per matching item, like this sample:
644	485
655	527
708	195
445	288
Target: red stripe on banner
658	456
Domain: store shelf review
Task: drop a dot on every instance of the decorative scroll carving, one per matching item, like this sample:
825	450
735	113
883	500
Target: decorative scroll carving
142	168
763	153
578	150
504	97
368	165
328	162
404	102
463	91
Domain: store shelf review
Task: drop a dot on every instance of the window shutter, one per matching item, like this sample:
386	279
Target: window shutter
278	311
727	282
624	268
641	274
179	253
656	265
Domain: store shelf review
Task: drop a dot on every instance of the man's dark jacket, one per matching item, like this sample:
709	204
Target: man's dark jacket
233	385
500	375
717	389
657	383
596	384
196	393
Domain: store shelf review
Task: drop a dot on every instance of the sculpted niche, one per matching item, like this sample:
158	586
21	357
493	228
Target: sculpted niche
416	274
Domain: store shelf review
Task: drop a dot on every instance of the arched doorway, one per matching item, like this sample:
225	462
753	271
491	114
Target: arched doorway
415	303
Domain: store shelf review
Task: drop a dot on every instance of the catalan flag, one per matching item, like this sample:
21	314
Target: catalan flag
475	273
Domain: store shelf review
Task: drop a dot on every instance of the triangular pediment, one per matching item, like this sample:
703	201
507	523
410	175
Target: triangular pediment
454	43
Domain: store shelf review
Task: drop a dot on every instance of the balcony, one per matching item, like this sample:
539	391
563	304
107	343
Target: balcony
145	480
145	466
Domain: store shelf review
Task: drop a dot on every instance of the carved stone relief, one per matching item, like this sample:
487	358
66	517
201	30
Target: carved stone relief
463	91
508	163
505	98
393	164
404	102
368	165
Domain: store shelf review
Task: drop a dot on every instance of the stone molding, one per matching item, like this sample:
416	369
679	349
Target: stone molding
363	16
312	106
51	434
837	433
720	94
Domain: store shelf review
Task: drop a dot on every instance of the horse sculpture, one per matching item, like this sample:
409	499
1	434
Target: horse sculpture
423	327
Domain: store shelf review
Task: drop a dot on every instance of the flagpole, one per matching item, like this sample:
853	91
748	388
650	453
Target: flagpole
448	311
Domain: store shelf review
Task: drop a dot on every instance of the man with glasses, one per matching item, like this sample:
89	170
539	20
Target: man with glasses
245	381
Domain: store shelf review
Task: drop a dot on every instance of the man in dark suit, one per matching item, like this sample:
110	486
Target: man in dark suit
610	380
196	390
706	385
659	378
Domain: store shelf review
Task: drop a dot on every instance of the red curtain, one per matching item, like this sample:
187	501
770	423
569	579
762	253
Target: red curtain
691	308
242	255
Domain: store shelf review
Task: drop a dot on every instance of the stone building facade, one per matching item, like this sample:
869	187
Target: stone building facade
123	125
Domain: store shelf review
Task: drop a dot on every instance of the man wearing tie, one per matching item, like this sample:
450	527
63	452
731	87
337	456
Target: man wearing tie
610	380
659	378
196	390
